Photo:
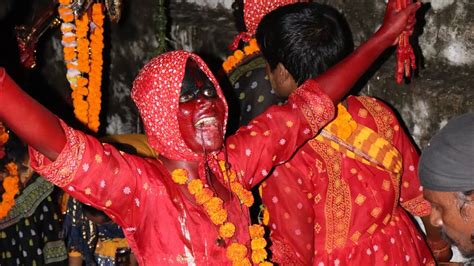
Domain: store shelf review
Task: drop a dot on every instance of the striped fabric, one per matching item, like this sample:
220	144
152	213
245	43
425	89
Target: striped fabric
360	143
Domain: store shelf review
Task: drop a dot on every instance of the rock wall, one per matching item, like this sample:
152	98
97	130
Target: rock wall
444	42
441	89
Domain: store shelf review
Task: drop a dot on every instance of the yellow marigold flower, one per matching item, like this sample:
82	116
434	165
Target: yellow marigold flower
266	216
247	198
195	186
227	230
236	187
244	262
256	231
203	196
213	205
265	263
179	176
218	217
259	255
236	252
258	243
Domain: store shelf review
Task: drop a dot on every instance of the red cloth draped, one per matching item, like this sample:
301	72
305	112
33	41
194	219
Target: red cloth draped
162	225
329	209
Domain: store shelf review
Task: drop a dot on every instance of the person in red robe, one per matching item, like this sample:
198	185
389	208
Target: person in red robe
342	199
188	206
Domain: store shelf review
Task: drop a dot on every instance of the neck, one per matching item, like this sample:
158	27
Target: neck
190	166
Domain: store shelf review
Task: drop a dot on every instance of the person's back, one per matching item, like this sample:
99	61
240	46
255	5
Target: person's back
337	200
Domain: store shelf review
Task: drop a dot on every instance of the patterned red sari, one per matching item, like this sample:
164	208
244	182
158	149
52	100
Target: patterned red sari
342	198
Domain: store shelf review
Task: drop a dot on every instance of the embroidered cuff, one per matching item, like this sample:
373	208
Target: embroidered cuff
316	106
417	206
62	171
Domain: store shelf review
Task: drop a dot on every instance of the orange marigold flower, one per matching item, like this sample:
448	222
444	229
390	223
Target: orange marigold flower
266	216
12	168
180	176
213	205
203	196
258	243
252	47
238	54
227	230
195	186
244	262
265	263
236	252
218	217
259	255
247	198
256	231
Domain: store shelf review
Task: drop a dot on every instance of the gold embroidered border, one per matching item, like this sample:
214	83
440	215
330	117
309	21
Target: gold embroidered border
315	105
383	118
338	209
417	206
63	170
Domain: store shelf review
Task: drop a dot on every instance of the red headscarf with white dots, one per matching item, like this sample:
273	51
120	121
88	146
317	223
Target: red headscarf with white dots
156	92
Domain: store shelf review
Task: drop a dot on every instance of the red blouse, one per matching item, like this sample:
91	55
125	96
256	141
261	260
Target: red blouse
161	224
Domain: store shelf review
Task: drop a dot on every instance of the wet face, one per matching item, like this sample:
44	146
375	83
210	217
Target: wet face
454	216
201	112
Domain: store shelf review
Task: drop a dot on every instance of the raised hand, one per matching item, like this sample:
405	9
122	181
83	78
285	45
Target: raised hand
399	17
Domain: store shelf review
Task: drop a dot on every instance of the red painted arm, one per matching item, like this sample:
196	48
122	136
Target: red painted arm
30	121
338	80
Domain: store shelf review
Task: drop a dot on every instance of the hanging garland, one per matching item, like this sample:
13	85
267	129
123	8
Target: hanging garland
10	183
213	205
83	43
232	61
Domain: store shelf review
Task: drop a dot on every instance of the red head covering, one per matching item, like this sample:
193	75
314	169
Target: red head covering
254	11
156	92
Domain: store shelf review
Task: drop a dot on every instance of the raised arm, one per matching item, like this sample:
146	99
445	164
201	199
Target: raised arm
31	121
338	80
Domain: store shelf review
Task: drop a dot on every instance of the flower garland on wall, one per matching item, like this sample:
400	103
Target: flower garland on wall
10	182
213	205
83	43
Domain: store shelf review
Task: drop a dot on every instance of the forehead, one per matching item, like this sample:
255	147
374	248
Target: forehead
439	197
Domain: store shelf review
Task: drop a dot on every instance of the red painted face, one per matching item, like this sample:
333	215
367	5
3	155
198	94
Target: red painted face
201	113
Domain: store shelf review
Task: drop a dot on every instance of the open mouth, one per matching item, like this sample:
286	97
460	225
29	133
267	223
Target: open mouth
206	121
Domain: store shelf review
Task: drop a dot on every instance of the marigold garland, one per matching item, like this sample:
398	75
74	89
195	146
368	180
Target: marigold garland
214	207
83	60
3	139
10	184
232	61
344	125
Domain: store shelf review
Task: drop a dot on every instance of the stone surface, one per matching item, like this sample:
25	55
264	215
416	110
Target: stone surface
441	89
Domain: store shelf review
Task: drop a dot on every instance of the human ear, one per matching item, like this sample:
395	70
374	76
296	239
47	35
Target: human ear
286	80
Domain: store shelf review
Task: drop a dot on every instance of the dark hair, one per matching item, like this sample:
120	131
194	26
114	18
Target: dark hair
90	211
307	38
